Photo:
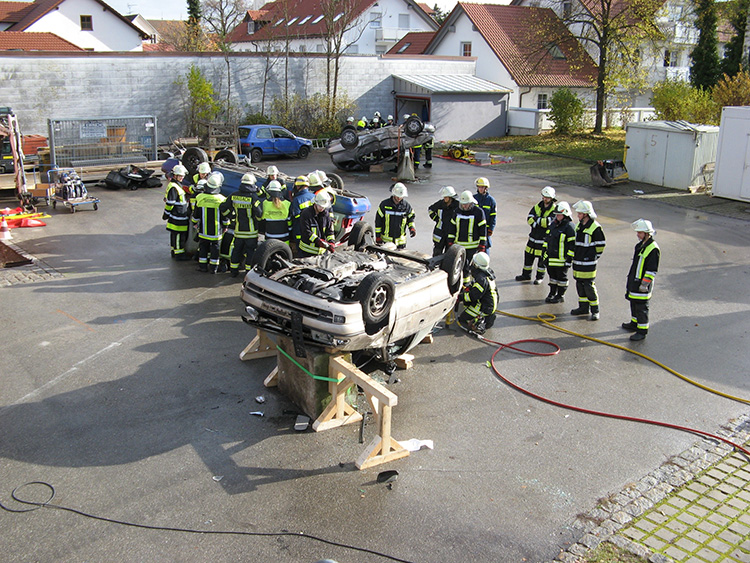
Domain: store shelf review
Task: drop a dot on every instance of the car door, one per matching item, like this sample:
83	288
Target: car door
264	140
284	141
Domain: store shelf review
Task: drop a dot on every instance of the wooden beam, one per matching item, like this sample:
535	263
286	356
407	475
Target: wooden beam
338	366
262	346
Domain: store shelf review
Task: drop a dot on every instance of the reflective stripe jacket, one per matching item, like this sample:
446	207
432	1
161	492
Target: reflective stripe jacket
481	296
245	206
207	216
277	223
589	247
644	267
539	219
442	214
392	220
314	225
468	228
176	208
560	243
302	200
488	205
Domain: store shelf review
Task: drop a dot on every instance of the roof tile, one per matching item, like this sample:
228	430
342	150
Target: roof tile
33	41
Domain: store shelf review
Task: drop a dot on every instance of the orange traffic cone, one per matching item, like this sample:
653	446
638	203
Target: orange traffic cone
5	231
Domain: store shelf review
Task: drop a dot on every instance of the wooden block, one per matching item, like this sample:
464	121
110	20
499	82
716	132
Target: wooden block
405	361
427	339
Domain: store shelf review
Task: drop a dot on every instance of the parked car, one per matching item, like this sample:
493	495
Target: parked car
363	297
258	141
358	150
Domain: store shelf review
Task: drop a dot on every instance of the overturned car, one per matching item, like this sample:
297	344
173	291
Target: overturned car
361	297
358	150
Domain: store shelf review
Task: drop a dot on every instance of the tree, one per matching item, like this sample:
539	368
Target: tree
199	100
737	14
675	100
194	31
704	70
613	31
733	90
439	15
566	112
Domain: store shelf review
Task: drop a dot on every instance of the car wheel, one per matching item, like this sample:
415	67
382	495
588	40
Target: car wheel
337	181
192	157
453	265
361	235
375	293
227	156
256	155
413	126
304	152
271	256
349	138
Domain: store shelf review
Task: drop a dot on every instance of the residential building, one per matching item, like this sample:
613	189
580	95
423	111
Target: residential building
31	41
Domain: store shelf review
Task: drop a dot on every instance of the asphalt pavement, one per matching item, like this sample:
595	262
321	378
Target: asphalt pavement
122	388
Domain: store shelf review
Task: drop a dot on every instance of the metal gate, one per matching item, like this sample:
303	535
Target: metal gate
108	140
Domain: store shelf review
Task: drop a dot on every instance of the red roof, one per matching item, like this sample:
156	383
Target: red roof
514	34
426	7
14	12
31	41
413	43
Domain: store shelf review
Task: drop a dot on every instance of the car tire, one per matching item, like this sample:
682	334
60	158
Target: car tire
228	156
413	126
453	265
361	235
255	155
375	293
337	182
270	256
192	157
349	137
303	152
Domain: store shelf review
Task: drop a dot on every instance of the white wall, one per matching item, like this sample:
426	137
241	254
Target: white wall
110	33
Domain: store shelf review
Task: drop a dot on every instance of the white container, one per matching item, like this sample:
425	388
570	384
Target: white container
732	175
669	153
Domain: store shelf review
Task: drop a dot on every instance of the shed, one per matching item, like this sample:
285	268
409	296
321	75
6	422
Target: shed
732	174
669	153
460	106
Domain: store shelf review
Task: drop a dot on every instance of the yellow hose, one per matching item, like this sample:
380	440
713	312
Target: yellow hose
547	320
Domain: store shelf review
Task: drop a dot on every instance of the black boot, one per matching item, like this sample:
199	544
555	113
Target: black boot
552	294
202	268
559	297
638	336
631	326
524	277
582	309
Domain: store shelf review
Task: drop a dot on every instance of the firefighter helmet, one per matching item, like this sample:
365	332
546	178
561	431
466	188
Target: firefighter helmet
483	183
214	182
248	179
447	191
302	181
274	188
584	206
272	171
314	180
548	191
466	197
399	190
564	209
323	199
481	260
643	226
179	170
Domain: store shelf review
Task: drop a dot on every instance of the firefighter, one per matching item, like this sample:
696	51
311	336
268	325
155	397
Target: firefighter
376	122
272	173
539	219
640	283
442	212
209	222
177	213
468	229
276	221
362	123
559	248
204	169
428	145
302	197
390	121
245	206
590	244
394	217
488	205
316	227
480	296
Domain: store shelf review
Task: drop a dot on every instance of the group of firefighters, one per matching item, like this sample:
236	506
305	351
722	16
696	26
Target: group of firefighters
554	243
227	228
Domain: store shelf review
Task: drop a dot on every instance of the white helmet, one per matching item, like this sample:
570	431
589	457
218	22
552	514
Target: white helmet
272	170
179	170
447	191
406	116
390	118
350	119
466	197
548	191
564	209
204	168
584	206
274	186
322	199
364	118
214	182
643	226
481	260
399	190
314	180
377	114
248	179
322	176
483	183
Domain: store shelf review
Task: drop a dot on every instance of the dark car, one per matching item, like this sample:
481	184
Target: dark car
257	141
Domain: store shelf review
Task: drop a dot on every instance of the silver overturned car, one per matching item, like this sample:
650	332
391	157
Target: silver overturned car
360	297
358	150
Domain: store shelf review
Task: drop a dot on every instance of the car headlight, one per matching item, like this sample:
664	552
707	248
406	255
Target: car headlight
251	314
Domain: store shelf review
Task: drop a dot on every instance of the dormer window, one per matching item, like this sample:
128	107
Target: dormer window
403	48
555	51
304	20
316	20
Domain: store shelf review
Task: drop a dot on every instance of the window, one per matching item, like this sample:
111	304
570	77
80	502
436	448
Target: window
264	133
352	49
379	50
279	133
250	27
403	48
376	19
567	8
403	21
671	58
465	49
555	51
541	101
320	48
302	48
316	20
87	23
304	20
338	16
291	21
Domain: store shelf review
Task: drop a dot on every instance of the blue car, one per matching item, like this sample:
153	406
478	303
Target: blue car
257	141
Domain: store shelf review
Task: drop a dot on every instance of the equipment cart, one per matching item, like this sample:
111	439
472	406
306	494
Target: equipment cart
69	189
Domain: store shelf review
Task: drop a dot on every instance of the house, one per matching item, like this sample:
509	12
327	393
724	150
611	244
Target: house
163	35
89	24
367	27
413	43
34	41
509	50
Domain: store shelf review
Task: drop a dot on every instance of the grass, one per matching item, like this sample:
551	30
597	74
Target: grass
582	146
608	553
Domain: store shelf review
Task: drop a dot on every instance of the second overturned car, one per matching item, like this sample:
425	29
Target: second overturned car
358	298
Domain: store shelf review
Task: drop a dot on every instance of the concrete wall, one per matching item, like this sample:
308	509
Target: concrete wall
474	116
95	85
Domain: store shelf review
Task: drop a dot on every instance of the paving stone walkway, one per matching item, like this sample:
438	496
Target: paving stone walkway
29	273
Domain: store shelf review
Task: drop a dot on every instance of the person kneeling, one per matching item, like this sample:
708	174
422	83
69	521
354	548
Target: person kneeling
479	296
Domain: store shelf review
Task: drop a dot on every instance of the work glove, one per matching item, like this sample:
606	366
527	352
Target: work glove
481	248
489	232
450	243
379	240
645	286
412	232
